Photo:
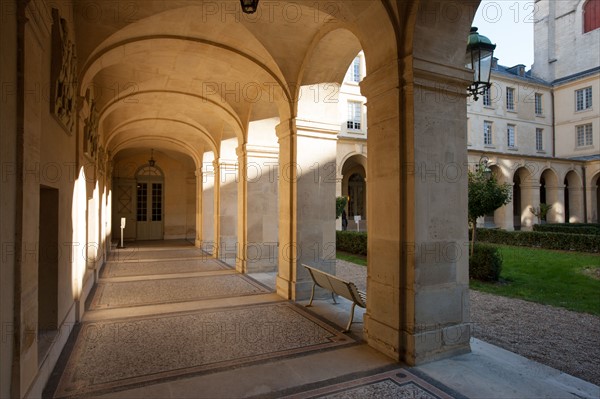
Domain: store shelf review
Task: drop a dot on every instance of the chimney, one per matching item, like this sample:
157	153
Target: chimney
495	63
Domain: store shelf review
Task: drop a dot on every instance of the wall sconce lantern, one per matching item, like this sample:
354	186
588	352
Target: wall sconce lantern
151	161
479	56
249	6
483	163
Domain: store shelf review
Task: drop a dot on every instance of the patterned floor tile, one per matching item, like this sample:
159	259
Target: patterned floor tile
110	355
397	384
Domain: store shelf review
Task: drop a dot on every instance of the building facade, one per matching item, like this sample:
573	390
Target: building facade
539	128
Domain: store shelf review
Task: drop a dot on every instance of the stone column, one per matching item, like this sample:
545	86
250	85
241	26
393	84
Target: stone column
228	211
306	203
576	204
242	209
262	223
209	180
530	197
199	192
418	284
503	216
217	209
555	197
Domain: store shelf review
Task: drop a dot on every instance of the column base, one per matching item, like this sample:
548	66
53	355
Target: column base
418	347
295	291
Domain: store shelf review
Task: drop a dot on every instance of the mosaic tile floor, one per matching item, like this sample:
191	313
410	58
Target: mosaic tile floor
397	384
142	268
172	290
140	254
110	355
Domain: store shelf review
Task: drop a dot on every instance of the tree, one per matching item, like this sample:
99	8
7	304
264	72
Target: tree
485	196
541	211
340	204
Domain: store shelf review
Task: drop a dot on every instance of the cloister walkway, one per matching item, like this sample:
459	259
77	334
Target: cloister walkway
168	321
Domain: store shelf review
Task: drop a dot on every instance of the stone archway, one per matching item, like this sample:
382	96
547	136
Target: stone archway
354	186
549	194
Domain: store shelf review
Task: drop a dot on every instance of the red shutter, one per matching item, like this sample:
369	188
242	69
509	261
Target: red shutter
591	15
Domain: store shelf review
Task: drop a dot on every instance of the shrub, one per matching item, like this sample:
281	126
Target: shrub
541	239
569	228
353	242
486	263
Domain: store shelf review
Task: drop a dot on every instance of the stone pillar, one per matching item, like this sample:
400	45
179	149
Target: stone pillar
217	209
576	204
209	181
242	209
418	284
555	197
262	222
503	216
199	192
306	203
530	197
228	211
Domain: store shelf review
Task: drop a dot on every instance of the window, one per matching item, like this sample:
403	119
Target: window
510	136
583	99
156	202
355	70
510	99
487	133
354	115
539	139
538	104
584	135
142	202
487	99
591	15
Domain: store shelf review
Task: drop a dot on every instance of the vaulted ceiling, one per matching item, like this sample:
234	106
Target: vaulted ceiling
194	73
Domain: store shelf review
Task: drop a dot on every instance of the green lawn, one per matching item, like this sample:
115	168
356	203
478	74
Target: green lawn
554	278
550	277
358	259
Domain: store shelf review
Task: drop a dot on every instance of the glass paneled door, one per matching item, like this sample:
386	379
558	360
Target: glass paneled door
150	205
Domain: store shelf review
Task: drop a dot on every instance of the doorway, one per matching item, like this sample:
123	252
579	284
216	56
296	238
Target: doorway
47	314
149	203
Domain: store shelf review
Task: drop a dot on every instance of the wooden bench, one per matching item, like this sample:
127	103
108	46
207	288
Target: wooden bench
337	286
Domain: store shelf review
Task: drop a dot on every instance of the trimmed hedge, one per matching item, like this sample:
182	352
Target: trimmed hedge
486	263
540	239
353	242
569	228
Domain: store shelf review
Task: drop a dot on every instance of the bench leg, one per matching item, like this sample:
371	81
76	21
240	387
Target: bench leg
333	297
312	295
351	319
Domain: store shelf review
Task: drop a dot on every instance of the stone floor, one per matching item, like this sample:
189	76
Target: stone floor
182	325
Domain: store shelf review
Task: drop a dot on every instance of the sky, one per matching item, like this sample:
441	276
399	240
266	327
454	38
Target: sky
509	25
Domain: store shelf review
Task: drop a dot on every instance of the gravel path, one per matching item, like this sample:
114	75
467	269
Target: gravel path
559	338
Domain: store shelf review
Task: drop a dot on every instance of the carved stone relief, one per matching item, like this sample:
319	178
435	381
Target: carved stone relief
63	72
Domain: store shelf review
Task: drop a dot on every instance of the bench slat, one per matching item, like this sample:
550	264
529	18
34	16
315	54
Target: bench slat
338	286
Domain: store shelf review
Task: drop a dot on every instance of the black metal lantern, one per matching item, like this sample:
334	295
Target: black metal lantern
151	161
249	6
483	165
479	56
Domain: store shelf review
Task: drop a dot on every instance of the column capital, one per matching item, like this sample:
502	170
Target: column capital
262	151
241	150
306	128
